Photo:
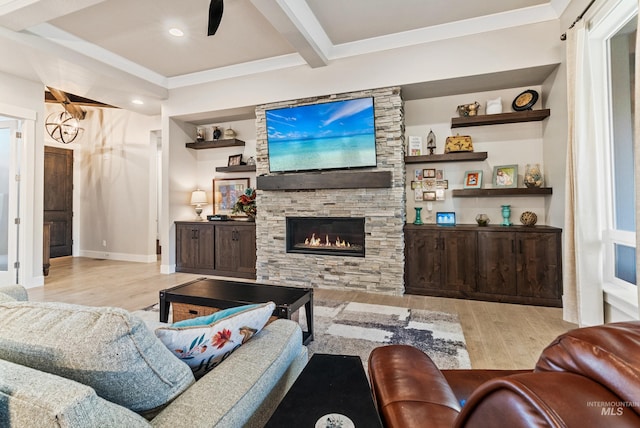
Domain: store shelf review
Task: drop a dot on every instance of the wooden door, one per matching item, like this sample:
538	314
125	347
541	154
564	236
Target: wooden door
497	263
539	265
58	199
246	259
227	248
423	262
459	261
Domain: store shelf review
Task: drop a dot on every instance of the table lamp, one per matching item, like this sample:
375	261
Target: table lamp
199	198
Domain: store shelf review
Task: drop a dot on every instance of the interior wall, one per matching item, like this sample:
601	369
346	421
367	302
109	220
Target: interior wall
115	160
509	144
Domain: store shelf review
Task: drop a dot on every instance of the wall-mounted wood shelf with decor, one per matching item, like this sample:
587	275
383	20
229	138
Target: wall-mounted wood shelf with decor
499	119
447	157
215	144
328	180
517	191
236	168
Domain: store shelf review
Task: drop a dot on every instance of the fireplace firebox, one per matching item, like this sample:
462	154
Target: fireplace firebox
331	236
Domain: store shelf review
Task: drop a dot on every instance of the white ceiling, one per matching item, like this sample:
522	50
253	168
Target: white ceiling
117	50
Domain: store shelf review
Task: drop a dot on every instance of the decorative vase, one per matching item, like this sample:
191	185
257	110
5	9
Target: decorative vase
506	213
528	218
229	133
216	133
251	161
533	176
482	219
418	215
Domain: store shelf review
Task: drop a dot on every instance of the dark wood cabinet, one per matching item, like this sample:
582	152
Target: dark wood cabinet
517	264
236	249
211	248
195	248
440	261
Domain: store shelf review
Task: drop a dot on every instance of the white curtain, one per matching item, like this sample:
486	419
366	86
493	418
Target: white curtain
582	270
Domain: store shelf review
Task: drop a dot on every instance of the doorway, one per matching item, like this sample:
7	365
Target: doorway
58	199
9	207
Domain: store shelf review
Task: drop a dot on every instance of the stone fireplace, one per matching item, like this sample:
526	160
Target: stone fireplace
341	194
328	236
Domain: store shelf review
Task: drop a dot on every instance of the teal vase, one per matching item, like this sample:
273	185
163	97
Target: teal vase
418	215
506	213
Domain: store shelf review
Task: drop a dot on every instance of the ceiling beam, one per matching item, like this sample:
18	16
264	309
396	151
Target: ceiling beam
18	15
298	25
71	108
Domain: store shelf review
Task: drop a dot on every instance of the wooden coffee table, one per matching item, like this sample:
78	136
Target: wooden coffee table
223	294
329	385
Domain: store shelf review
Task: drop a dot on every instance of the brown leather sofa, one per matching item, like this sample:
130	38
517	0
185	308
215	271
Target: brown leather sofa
587	377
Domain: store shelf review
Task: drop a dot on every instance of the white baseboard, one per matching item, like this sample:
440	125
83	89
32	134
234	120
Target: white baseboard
124	257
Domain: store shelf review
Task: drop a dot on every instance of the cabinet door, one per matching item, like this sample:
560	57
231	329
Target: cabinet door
423	261
226	248
204	237
539	265
497	263
246	250
186	247
459	260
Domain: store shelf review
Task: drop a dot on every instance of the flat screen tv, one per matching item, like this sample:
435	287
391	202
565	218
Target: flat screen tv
333	135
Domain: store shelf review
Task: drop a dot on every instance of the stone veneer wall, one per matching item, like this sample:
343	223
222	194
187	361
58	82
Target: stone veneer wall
382	269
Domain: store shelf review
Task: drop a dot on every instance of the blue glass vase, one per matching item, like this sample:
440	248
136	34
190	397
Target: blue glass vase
506	213
418	215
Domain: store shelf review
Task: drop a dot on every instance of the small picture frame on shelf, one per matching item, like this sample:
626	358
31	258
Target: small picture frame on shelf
429	173
505	176
472	179
234	160
429	196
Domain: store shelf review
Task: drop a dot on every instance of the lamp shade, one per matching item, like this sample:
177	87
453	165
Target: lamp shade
198	197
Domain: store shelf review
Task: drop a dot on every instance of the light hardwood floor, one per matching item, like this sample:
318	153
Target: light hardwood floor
498	335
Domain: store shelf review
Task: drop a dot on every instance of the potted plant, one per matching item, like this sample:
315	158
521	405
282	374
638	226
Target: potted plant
246	204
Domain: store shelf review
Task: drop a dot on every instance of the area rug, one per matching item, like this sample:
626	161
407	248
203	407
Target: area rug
351	328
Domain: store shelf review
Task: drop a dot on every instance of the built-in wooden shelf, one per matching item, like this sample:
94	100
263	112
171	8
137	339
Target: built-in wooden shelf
447	157
498	119
215	144
516	191
236	168
328	180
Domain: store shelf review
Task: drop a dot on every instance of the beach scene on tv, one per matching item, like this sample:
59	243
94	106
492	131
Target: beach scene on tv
338	134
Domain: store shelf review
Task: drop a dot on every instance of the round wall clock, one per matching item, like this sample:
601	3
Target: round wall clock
525	100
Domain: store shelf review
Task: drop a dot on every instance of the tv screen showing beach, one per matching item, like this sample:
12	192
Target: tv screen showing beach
338	134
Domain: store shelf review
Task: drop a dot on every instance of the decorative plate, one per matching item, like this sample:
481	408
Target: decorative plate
525	100
334	420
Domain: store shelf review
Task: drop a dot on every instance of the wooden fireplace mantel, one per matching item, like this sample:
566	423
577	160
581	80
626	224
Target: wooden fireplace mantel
326	180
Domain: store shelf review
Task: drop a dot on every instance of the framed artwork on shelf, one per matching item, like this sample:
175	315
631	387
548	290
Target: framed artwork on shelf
235	160
429	196
473	179
226	192
505	176
415	145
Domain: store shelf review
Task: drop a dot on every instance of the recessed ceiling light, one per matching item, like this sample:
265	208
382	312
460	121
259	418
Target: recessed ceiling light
176	32
137	101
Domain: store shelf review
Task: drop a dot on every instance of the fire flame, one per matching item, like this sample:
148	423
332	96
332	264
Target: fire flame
317	242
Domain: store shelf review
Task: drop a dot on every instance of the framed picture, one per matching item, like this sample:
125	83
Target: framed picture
446	218
505	176
429	173
415	145
226	192
439	174
442	184
234	160
416	185
429	196
473	179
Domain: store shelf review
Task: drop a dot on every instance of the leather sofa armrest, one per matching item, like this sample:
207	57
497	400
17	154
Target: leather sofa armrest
553	399
464	381
409	389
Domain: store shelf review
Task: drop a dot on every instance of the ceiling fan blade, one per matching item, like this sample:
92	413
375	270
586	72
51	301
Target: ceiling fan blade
215	16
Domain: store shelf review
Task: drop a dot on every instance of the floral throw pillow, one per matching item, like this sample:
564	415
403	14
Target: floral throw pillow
205	342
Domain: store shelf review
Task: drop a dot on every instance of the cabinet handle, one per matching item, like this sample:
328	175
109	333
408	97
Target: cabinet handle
442	244
520	245
194	234
513	245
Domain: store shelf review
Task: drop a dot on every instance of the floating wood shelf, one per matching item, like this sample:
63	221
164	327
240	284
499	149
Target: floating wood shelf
447	157
517	191
330	180
498	119
236	168
215	144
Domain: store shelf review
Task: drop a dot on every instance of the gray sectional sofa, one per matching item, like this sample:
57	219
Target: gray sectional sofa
77	366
